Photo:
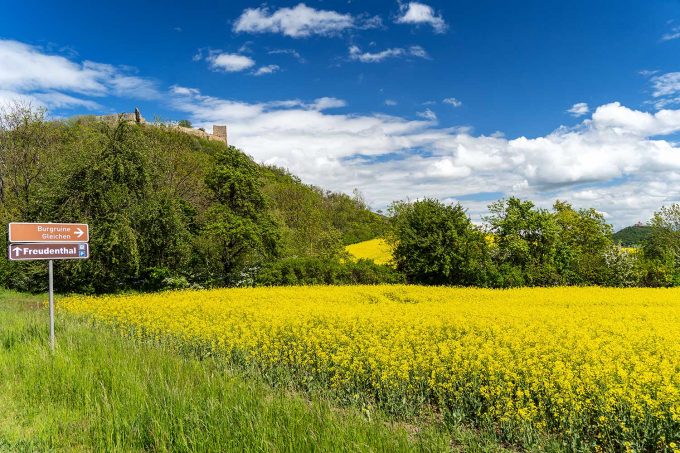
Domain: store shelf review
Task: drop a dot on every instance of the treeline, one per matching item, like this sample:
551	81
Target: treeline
522	245
167	209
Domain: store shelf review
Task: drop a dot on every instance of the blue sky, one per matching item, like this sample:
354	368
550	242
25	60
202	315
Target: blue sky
457	100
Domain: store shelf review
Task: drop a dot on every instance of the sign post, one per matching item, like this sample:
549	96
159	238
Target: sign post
48	241
50	266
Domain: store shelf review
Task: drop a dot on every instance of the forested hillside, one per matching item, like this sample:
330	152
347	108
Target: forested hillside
633	235
166	209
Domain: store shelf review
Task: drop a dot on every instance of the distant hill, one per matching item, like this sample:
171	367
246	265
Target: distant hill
632	235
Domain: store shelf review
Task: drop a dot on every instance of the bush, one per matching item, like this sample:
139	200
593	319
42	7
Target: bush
323	271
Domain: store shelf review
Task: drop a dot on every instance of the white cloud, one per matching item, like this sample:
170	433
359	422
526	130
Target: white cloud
183	91
666	84
419	13
269	69
390	102
608	162
578	109
428	115
230	62
356	54
29	73
297	22
453	102
623	120
673	34
292	52
325	103
666	88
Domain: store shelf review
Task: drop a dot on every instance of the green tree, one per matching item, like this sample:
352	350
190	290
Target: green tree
239	231
184	123
662	248
526	241
584	238
437	244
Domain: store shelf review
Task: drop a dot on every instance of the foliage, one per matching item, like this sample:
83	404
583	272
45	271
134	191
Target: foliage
662	248
598	368
239	230
437	244
184	123
319	222
316	271
158	199
527	241
523	245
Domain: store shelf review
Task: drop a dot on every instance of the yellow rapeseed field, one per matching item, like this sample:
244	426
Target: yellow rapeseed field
597	366
377	250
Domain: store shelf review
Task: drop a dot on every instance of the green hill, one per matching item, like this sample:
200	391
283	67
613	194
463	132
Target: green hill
632	235
166	208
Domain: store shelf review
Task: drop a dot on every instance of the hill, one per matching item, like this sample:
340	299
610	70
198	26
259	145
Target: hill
632	235
166	208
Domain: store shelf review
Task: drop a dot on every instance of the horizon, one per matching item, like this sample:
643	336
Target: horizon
543	101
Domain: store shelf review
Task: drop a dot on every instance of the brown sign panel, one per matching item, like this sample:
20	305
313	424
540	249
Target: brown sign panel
48	232
72	251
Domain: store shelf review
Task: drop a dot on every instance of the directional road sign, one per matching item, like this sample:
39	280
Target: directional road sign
69	251
48	232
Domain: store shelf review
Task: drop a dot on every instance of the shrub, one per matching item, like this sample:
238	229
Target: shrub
324	271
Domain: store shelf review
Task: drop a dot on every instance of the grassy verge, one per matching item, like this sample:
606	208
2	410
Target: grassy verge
102	392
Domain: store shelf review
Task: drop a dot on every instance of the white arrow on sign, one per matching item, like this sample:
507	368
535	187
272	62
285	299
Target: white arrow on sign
16	251
79	232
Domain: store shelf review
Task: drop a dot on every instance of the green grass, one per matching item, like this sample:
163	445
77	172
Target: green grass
102	392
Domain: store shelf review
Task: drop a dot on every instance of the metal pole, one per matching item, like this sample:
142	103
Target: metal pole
50	266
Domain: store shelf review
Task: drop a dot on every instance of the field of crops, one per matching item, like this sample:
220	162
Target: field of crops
376	250
597	367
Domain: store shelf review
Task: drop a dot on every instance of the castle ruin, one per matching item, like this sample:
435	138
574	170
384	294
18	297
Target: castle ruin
219	132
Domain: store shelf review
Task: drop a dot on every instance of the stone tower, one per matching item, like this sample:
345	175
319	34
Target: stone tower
220	132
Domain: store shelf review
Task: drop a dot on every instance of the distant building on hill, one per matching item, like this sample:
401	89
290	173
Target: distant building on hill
219	132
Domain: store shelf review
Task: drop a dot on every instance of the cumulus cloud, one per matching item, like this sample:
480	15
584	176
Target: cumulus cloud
579	109
608	161
300	21
419	13
623	120
452	102
356	54
31	74
230	62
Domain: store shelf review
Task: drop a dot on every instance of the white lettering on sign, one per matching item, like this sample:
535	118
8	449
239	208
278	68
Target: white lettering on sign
45	251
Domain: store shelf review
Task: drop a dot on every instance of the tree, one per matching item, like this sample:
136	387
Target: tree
662	248
526	241
239	232
27	143
437	244
584	238
184	123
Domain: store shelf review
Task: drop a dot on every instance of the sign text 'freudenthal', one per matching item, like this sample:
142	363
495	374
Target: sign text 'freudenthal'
24	252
